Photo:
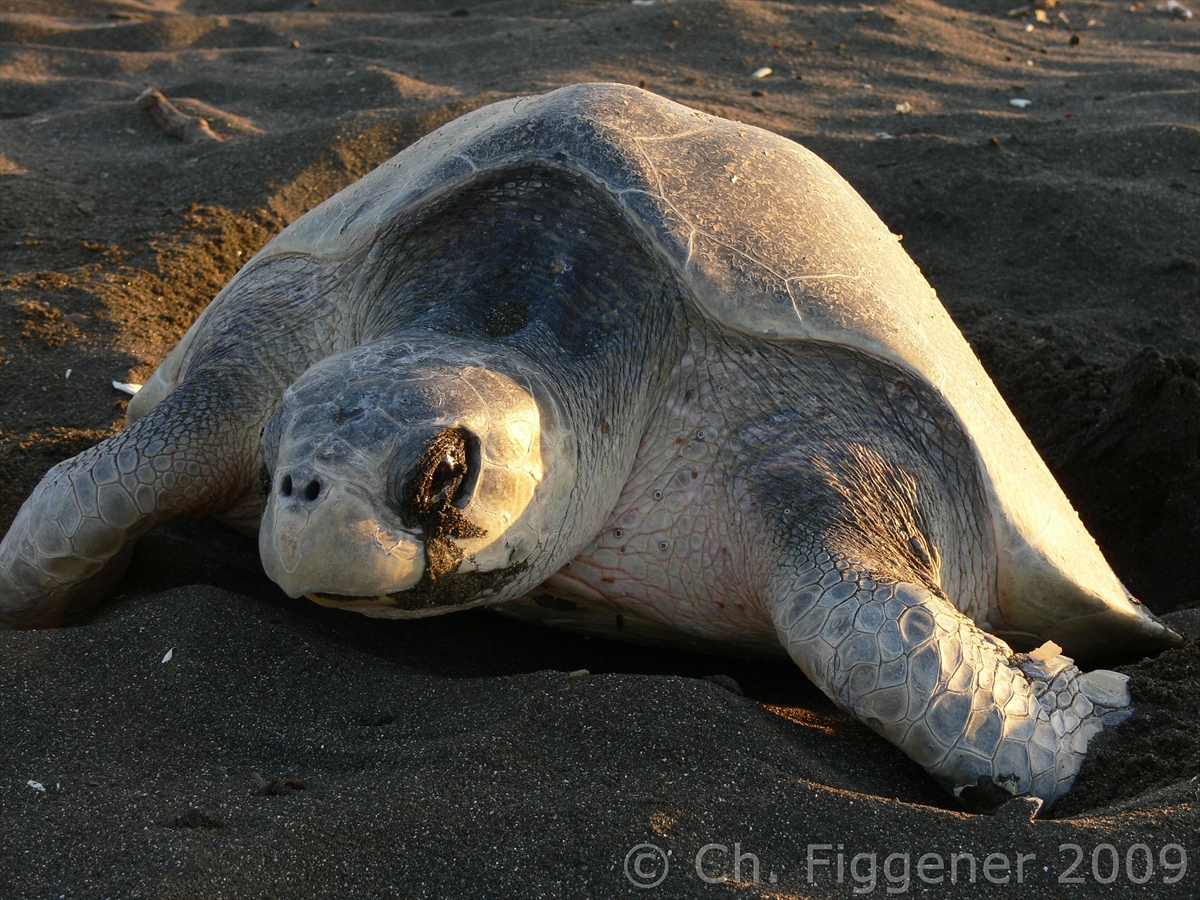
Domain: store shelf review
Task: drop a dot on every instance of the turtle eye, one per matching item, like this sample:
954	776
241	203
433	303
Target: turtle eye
444	480
444	476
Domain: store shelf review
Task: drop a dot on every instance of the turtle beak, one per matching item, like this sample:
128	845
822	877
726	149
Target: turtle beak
322	536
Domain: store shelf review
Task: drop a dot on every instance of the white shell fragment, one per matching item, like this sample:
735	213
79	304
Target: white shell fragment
1019	102
68	375
36	785
169	654
761	73
904	108
884	136
125	387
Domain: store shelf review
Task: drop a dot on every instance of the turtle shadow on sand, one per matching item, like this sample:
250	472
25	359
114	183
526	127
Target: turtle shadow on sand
1127	767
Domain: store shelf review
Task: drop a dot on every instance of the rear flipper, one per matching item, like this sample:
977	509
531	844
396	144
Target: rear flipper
988	724
70	543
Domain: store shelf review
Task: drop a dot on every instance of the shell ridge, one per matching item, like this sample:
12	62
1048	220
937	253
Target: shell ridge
858	276
796	307
654	138
657	232
653	170
742	253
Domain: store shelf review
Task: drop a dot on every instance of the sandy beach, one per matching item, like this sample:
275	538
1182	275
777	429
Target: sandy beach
203	735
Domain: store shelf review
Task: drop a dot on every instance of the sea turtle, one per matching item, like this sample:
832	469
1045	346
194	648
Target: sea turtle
612	364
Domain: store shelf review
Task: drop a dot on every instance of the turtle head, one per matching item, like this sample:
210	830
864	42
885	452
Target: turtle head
402	486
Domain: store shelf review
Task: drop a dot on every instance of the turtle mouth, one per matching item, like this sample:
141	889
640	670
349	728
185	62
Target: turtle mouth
396	604
349	601
428	597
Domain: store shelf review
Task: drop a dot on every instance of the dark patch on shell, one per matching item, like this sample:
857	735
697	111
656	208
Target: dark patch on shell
507	318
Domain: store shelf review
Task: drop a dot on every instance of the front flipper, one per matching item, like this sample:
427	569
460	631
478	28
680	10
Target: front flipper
194	453
988	724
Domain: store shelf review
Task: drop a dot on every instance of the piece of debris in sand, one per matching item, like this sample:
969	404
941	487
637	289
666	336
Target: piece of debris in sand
1032	8
8	167
1019	102
189	129
761	73
1175	9
904	108
126	387
277	786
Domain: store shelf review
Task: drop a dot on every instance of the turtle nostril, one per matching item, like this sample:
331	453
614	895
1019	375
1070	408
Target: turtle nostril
292	482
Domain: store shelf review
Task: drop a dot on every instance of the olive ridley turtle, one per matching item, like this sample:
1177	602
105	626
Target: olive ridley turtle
612	364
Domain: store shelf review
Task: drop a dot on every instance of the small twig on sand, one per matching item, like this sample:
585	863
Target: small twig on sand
189	129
